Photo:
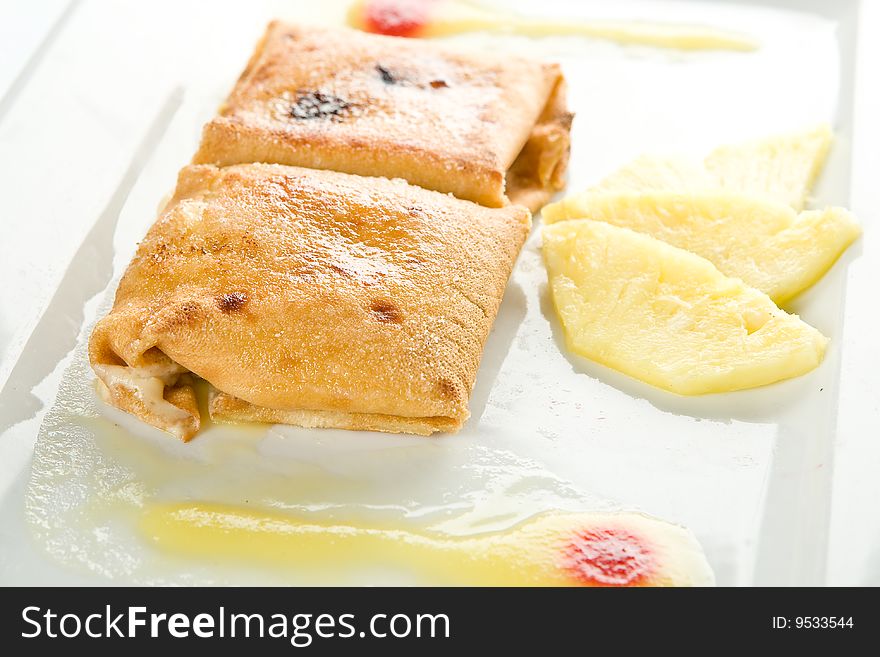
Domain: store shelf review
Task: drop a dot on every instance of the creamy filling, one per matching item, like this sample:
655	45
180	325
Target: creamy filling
147	384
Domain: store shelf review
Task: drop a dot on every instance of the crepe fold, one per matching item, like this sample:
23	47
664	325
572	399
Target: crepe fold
307	297
487	127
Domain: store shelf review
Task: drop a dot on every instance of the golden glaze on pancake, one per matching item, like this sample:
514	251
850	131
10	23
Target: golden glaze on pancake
440	118
311	297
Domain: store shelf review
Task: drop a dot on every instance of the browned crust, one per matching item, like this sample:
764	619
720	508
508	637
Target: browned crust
458	137
228	141
320	297
226	408
539	170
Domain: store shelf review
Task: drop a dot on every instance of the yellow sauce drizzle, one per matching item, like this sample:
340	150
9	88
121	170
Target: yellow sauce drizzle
533	553
449	17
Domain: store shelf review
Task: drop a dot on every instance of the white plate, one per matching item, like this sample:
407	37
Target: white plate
750	473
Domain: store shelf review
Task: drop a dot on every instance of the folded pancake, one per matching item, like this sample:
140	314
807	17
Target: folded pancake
444	119
307	297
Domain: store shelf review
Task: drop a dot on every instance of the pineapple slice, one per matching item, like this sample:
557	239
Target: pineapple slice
655	174
668	317
767	245
781	169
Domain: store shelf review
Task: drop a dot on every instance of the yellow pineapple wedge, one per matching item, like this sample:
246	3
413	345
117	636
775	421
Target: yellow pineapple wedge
780	169
669	317
657	174
768	245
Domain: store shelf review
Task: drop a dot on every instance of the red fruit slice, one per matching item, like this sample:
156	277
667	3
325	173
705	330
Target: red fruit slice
405	18
609	557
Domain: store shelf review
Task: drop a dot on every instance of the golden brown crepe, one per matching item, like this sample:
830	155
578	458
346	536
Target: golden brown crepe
308	297
373	105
